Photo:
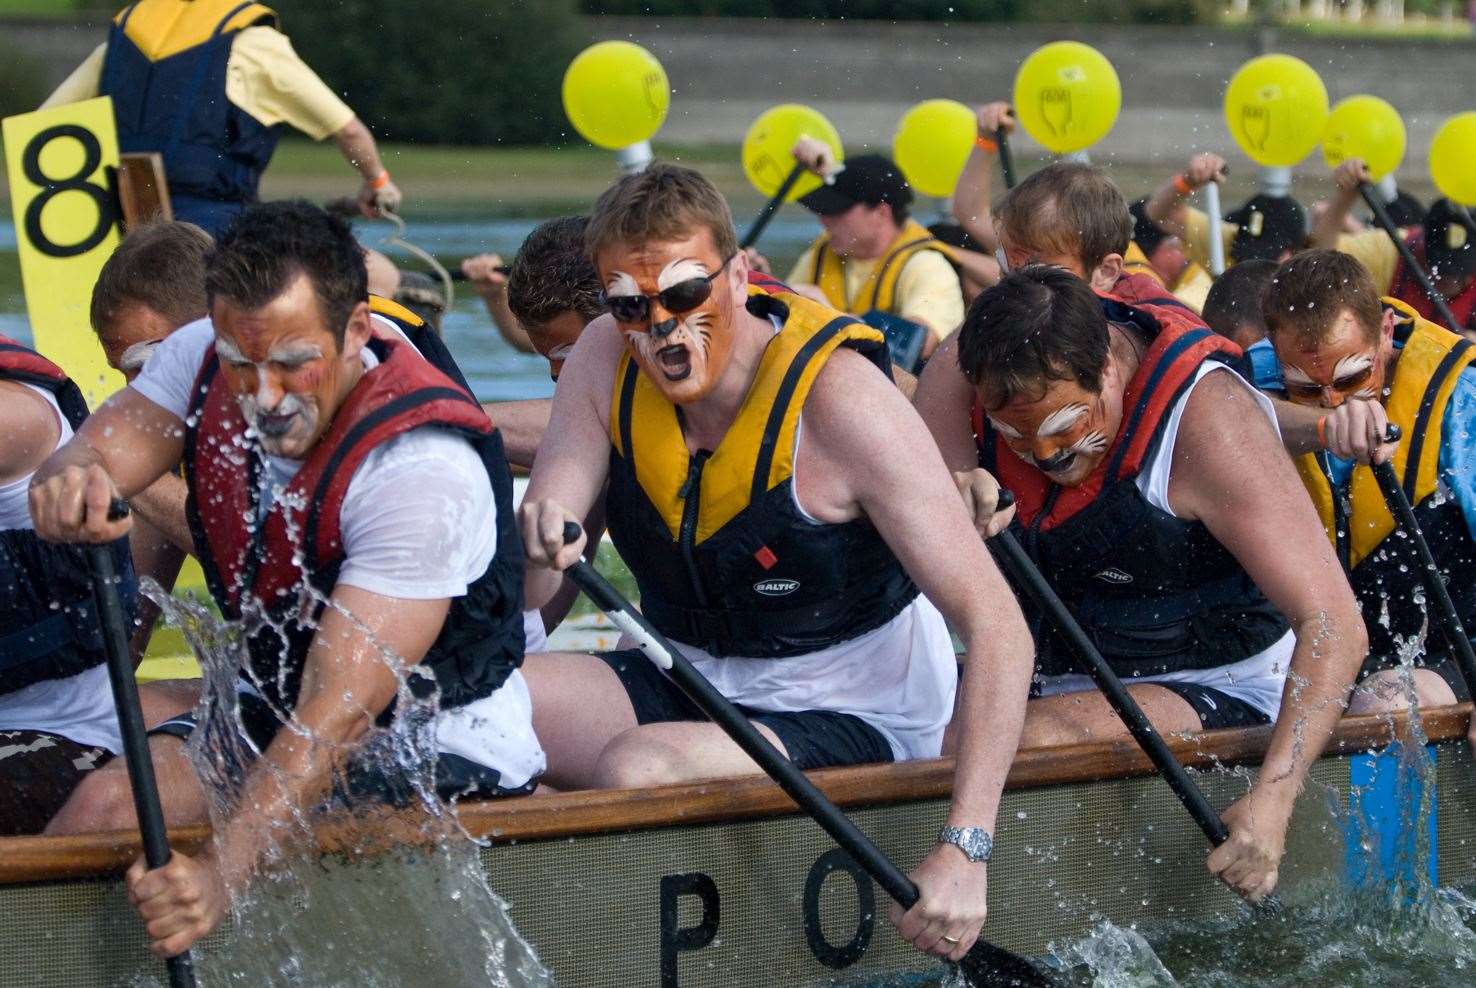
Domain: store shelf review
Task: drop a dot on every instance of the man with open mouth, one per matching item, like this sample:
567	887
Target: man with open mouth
1155	497
783	512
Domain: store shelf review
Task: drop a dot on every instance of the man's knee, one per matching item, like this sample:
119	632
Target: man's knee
102	801
635	760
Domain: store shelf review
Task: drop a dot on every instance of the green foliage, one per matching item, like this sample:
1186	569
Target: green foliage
1043	11
21	88
452	72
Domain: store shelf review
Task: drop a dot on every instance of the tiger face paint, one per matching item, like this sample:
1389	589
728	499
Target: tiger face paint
685	352
1343	364
1065	432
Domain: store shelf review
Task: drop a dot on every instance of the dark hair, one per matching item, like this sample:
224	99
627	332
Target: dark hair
160	265
1312	288
664	202
552	274
1038	324
1068	208
1235	298
269	244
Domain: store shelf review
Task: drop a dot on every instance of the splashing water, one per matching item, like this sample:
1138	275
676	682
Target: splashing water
402	898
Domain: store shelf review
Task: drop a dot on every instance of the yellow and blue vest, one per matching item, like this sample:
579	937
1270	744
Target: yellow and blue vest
1358	522
723	556
166	72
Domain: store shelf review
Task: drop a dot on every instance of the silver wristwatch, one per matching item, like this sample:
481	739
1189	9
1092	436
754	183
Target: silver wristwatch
975	842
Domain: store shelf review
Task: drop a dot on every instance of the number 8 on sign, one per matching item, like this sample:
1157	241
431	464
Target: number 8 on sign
62	164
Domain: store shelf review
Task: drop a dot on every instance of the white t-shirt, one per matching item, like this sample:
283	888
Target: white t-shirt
80	707
419	523
1259	679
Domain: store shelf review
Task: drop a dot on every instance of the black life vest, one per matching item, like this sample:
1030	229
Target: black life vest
1407	289
48	620
724	559
1156	593
1358	522
166	72
481	641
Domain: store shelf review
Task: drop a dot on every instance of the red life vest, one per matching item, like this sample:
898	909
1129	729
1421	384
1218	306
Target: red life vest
49	628
482	638
1136	288
1180	343
1407	289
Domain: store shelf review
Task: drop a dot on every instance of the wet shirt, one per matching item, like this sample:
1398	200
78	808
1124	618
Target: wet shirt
264	76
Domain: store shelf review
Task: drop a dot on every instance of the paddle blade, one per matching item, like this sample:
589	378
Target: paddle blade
989	966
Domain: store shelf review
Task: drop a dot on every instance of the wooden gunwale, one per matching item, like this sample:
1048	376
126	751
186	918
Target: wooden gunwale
575	814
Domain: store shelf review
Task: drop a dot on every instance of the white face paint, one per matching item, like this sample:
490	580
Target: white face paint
281	419
680	270
621	283
132	360
1063	419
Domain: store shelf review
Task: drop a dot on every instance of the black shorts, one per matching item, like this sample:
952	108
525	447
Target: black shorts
813	738
38	771
363	779
1217	709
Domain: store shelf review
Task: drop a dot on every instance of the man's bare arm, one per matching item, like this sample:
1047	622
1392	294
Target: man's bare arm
32	429
570	470
122	448
974	189
945	401
522	425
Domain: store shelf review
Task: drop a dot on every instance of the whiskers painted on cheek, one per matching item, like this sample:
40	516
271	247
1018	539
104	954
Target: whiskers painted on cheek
1089	445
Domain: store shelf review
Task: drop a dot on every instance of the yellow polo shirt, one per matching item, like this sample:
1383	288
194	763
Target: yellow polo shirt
928	289
1375	251
264	77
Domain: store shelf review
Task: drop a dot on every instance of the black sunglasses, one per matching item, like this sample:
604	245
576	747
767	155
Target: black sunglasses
684	296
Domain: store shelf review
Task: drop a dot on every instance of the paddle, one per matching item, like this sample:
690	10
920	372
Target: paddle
1216	242
1381	216
1028	577
771	207
131	723
1006	162
985	965
1450	622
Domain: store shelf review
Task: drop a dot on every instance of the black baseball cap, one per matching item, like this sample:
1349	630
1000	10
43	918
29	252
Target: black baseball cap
1405	210
869	178
1269	225
1450	239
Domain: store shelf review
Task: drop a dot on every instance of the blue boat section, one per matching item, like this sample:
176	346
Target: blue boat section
1388	808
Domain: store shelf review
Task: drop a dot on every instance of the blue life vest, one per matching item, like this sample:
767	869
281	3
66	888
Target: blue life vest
166	72
48	621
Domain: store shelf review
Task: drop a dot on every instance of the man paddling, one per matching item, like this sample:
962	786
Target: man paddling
775	498
209	84
1155	497
1270	225
1444	242
308	427
1340	344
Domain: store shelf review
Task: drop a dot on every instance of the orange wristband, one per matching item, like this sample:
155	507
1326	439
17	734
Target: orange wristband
986	144
1181	185
1322	431
380	180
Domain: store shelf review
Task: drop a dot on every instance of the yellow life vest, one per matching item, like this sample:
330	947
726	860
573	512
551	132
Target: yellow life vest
390	309
879	291
1425	376
161	28
761	439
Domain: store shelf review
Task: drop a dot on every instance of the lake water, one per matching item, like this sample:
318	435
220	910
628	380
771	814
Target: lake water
496	371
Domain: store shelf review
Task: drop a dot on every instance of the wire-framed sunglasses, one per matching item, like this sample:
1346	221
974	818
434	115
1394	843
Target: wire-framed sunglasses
684	296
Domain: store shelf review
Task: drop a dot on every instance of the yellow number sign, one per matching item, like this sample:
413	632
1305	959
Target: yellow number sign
62	164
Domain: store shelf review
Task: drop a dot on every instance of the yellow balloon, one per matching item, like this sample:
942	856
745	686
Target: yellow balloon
616	94
1364	127
1067	96
933	141
1276	108
767	160
1453	158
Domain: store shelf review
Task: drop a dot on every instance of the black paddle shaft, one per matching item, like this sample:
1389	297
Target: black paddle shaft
131	723
1006	162
1381	216
1445	611
761	221
986	964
